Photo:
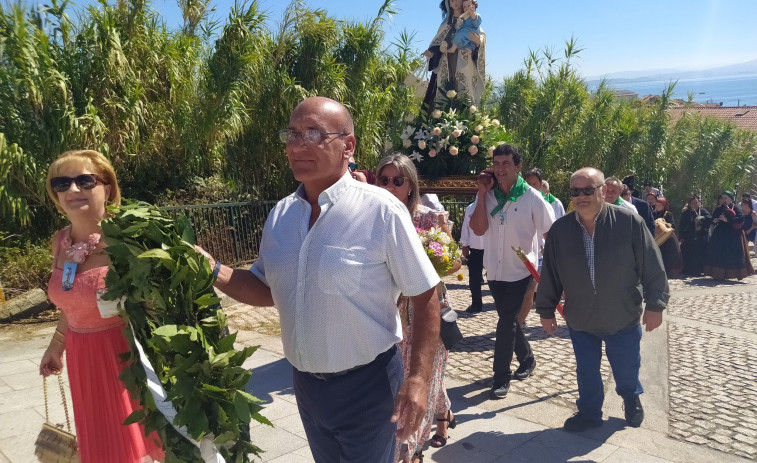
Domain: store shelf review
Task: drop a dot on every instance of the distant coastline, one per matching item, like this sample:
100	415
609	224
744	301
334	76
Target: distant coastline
738	90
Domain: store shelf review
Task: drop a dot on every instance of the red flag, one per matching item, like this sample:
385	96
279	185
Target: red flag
535	273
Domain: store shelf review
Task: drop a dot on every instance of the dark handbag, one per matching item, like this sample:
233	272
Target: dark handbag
448	330
54	445
450	333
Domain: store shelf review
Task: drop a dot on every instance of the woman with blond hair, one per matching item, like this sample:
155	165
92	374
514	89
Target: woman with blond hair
397	174
81	184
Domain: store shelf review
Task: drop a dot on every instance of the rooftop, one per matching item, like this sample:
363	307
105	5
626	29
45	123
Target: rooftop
744	117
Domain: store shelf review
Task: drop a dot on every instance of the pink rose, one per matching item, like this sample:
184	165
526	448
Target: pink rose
406	143
474	139
473	149
432	154
436	114
456	133
422	144
453	150
437	131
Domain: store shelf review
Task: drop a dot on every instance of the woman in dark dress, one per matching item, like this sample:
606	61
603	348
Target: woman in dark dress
727	256
750	220
668	243
693	231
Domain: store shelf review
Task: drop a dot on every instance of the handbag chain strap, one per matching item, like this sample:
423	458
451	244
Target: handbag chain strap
62	394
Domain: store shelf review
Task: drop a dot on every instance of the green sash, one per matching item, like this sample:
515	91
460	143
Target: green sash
549	197
515	192
619	201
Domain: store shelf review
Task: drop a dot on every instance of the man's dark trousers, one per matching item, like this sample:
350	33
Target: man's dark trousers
347	418
476	275
508	297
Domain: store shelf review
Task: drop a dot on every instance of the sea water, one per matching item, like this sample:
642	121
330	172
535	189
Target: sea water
730	91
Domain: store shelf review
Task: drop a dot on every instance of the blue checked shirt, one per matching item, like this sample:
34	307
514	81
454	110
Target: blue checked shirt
589	249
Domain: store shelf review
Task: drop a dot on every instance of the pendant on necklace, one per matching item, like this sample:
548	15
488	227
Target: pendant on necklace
69	272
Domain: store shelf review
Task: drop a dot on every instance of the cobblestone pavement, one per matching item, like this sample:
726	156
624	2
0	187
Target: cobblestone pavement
712	349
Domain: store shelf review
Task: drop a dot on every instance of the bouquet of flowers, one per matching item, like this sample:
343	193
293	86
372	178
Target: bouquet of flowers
440	248
455	139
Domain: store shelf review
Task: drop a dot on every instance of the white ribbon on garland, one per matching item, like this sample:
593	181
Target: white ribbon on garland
208	449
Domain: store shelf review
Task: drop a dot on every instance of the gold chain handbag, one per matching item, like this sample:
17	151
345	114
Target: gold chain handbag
54	445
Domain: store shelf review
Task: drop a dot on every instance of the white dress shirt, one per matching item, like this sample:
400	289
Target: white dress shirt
524	221
467	237
558	208
336	285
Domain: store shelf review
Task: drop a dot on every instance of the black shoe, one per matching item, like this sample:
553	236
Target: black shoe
634	411
525	370
474	309
499	390
580	422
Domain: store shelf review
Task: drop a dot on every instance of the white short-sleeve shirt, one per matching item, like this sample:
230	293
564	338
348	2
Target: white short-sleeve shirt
336	284
467	237
519	224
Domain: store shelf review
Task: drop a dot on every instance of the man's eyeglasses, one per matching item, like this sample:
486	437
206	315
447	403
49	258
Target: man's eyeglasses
83	182
310	136
586	191
397	181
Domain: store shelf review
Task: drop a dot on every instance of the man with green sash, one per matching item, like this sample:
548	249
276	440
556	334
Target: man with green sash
512	214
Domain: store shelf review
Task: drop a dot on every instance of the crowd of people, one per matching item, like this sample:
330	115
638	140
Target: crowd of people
359	300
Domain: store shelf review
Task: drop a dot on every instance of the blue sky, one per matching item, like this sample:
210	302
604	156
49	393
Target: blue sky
617	35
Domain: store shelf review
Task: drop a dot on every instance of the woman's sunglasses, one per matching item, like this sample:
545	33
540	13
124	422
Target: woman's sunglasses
397	181
587	191
83	182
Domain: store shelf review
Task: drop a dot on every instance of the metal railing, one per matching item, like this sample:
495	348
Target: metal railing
231	232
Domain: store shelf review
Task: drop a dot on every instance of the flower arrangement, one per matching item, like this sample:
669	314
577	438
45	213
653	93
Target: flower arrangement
454	139
442	250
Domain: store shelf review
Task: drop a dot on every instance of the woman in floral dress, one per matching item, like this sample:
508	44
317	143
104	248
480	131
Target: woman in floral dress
397	174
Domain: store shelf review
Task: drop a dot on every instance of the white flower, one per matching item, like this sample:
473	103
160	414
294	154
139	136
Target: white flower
388	145
445	239
473	109
407	143
453	150
436	114
456	133
474	139
490	152
410	118
479	128
416	156
432	154
473	149
421	134
422	144
408	132
495	122
451	93
437	131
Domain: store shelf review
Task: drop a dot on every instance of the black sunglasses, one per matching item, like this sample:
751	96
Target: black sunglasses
397	181
83	182
586	191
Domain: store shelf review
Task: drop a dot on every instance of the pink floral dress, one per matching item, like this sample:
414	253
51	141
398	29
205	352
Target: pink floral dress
438	402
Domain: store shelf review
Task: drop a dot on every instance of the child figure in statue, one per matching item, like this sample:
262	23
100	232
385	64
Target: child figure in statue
467	22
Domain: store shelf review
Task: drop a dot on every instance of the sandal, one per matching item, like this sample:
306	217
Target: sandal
417	457
438	440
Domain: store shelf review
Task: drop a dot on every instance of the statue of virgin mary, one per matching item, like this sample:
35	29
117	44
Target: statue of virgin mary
463	70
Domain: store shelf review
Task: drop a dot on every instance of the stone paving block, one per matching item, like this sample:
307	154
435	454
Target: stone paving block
276	442
715	399
627	456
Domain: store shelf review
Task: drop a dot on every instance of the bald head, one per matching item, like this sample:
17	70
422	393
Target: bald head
334	112
595	175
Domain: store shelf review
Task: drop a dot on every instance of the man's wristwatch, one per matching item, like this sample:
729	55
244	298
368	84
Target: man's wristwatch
217	269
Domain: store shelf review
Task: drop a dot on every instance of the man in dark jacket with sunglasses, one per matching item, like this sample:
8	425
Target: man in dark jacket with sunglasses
606	263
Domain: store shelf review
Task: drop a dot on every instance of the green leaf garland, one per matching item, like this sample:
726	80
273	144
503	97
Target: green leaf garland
171	308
